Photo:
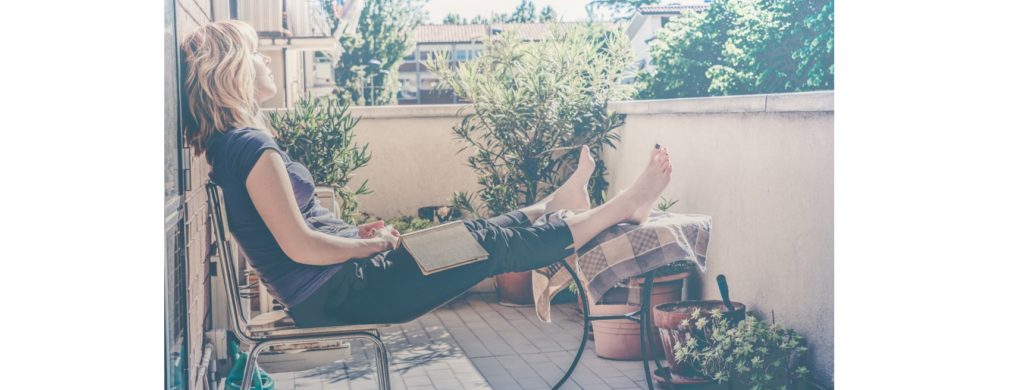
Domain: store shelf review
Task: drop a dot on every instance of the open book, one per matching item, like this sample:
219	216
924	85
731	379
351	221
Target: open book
443	247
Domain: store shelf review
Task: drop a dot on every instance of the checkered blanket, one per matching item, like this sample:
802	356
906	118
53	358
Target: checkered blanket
624	251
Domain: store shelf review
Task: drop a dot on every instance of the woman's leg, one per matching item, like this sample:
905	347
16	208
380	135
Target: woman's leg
632	206
573	194
509	219
395	291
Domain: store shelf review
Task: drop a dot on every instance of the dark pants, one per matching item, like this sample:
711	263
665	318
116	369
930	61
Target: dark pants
390	288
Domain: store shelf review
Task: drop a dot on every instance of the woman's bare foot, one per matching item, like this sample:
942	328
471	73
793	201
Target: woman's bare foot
631	206
574	194
644	192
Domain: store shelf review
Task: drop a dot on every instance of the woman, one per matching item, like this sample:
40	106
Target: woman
324	270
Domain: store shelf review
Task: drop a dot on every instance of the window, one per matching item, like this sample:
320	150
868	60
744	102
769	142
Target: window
426	54
462	55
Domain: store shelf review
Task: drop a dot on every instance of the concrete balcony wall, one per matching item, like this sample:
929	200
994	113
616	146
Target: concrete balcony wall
415	159
761	166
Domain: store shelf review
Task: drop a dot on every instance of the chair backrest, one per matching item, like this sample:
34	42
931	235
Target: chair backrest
219	219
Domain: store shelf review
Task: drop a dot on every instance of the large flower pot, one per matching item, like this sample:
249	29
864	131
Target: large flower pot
514	288
668	316
620	339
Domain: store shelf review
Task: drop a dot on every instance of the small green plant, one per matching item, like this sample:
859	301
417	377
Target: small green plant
318	133
466	203
750	353
406	224
666	204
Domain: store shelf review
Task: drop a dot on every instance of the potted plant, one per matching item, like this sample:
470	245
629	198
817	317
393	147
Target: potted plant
739	350
318	132
532	105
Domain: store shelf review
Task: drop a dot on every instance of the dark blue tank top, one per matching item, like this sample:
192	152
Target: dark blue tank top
232	154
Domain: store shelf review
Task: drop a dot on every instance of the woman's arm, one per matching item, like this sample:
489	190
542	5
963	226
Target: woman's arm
271	193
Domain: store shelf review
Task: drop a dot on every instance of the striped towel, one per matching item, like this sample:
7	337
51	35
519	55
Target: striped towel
624	251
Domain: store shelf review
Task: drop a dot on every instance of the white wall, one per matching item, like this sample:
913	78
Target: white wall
415	159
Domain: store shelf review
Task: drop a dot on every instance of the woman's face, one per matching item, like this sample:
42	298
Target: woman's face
265	88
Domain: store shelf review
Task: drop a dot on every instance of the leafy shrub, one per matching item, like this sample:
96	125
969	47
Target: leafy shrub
533	105
318	133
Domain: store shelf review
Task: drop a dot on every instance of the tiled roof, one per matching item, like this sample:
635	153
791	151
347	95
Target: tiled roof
674	8
450	33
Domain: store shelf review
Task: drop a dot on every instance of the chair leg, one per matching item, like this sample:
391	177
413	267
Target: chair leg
250	367
250	364
383	371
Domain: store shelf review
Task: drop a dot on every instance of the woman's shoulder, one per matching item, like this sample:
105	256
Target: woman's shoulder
241	139
247	135
238	149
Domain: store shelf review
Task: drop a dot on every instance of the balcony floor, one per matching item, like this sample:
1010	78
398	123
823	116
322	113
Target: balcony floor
474	343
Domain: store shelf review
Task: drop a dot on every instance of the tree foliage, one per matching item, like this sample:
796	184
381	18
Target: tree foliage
547	15
744	47
620	9
384	34
453	18
525	12
533	105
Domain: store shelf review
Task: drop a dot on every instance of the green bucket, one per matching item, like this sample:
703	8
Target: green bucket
261	379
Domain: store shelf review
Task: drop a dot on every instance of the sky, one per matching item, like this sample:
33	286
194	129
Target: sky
567	10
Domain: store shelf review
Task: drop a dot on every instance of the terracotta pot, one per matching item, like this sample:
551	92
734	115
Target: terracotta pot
620	339
514	288
668	316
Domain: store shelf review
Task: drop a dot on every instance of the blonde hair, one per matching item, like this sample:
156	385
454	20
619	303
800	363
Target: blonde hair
220	81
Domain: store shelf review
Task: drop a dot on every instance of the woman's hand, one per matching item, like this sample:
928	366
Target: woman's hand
389	234
368	230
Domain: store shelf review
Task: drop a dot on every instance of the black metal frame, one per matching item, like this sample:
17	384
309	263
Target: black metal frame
642	316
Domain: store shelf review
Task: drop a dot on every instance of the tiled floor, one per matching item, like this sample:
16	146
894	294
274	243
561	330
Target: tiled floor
474	343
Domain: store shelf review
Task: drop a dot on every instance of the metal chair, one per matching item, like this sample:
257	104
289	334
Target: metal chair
262	338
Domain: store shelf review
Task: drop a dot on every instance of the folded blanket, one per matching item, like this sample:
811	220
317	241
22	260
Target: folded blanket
624	251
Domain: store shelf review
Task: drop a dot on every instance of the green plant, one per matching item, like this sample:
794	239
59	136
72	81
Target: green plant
749	353
406	224
533	105
318	132
666	204
367	72
465	202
